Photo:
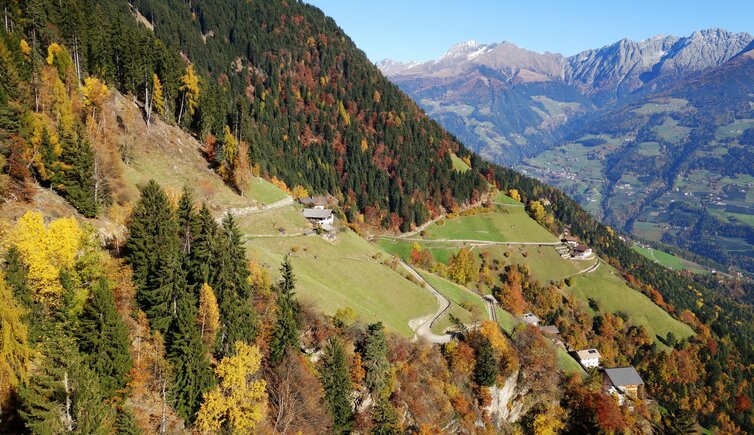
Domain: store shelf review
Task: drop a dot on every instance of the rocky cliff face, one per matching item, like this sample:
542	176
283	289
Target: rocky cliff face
621	68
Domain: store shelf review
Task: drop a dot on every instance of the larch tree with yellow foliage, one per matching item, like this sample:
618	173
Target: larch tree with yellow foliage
15	350
239	401
190	88
158	96
209	315
46	251
95	94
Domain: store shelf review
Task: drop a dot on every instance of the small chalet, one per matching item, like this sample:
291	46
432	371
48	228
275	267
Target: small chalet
622	382
319	216
581	251
571	240
530	319
588	358
318	201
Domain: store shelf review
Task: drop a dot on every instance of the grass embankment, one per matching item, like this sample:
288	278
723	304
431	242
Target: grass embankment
344	274
670	261
458	163
513	225
467	306
502	198
613	295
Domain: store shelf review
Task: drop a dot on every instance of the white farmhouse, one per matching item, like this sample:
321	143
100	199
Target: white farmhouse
588	358
319	216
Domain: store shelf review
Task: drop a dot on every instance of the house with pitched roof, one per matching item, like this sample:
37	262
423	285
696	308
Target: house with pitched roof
623	382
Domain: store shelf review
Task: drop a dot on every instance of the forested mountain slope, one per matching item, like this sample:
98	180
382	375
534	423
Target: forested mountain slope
190	330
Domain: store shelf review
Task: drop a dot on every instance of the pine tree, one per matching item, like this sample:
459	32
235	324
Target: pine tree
188	357
286	332
103	339
204	250
485	370
375	358
64	395
337	385
384	418
232	289
153	230
154	254
75	181
185	219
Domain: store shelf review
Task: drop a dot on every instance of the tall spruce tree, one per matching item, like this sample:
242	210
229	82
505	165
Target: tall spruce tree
75	181
375	358
337	385
64	394
153	228
153	252
485	370
384	418
185	218
286	330
188	357
103	339
232	288
204	251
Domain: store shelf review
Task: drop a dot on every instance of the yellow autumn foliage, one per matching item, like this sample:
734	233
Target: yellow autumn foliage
46	251
239	401
190	88
95	93
15	350
209	315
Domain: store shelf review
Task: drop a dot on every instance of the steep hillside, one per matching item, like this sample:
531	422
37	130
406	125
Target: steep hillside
674	167
181	323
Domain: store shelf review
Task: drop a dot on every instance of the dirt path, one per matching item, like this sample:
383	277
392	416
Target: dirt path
421	228
422	326
244	211
471	241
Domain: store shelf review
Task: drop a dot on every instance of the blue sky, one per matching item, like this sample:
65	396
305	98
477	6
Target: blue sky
425	29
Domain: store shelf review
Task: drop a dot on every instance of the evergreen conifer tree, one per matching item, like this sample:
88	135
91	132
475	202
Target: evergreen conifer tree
154	254
204	251
64	395
232	289
188	357
485	370
75	181
337	385
286	331
185	218
153	230
384	418
375	358
103	339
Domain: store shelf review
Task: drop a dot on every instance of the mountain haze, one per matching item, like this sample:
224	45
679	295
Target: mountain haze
640	115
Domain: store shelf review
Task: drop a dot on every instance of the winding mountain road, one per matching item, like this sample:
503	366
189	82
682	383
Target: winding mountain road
422	326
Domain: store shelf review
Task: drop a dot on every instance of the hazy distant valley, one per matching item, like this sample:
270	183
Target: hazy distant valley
652	136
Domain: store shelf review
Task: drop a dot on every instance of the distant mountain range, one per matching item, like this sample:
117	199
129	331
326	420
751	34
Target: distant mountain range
652	136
